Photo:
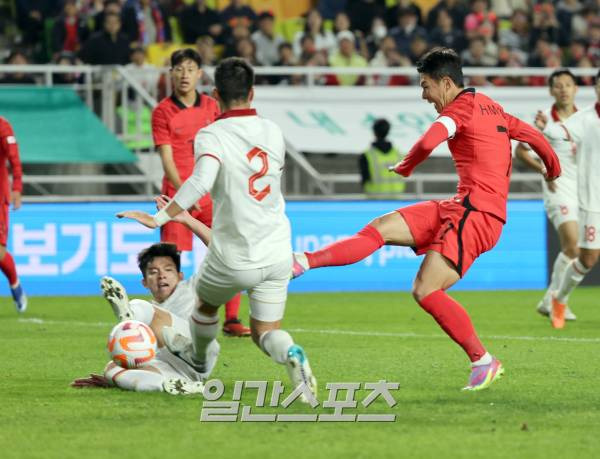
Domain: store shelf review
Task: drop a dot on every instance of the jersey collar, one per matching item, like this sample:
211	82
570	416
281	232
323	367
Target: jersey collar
180	105
554	113
237	112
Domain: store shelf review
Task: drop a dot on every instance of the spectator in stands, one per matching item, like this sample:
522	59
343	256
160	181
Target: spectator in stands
108	7
240	32
474	55
392	12
407	29
341	22
504	9
362	12
418	47
508	57
446	34
378	32
246	49
17	57
373	164
311	57
109	47
585	63
346	56
456	9
197	20
593	51
577	50
565	11
324	40
65	58
266	41
146	22
69	30
206	48
518	36
238	13
388	56
546	25
286	58
31	15
479	15
543	49
145	74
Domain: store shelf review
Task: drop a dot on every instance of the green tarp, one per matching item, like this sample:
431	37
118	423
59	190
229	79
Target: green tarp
53	125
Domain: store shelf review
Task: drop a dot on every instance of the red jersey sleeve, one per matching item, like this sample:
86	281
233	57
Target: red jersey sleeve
519	130
8	145
435	135
161	133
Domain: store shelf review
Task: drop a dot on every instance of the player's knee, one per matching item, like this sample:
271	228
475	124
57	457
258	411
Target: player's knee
420	290
589	258
571	249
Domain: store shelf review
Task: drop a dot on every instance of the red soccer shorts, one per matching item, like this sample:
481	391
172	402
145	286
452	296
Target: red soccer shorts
4	222
178	234
458	232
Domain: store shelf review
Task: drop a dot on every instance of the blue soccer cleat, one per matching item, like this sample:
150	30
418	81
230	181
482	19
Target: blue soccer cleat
20	298
300	372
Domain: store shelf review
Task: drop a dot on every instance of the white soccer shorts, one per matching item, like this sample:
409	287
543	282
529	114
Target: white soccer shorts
589	229
266	287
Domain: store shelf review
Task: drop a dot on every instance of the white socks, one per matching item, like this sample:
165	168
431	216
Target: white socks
142	310
276	343
486	359
136	380
204	329
560	265
573	275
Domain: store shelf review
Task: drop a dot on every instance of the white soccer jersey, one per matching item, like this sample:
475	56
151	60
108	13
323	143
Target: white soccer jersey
240	159
584	129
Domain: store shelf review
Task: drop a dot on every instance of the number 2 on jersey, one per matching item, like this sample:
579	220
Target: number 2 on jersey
259	195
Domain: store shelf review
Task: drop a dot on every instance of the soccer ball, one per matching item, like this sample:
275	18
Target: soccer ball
131	344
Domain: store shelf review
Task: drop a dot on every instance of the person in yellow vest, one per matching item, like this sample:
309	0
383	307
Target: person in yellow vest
373	163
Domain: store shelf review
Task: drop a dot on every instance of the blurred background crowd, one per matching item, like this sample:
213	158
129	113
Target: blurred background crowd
336	33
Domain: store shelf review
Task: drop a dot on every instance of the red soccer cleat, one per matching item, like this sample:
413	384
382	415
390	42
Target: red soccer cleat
234	327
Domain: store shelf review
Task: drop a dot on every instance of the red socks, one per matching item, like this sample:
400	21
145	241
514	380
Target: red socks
232	307
7	265
347	251
455	321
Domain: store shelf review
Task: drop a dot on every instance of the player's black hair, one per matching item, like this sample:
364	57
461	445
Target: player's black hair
559	72
185	54
234	78
442	62
160	249
381	128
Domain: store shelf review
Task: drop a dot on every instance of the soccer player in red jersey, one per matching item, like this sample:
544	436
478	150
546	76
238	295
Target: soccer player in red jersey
451	233
10	195
175	122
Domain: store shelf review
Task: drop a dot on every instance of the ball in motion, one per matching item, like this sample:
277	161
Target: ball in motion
131	344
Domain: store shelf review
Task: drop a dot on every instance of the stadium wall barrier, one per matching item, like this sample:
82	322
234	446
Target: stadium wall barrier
64	249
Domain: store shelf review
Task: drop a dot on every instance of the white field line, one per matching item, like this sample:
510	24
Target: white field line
33	320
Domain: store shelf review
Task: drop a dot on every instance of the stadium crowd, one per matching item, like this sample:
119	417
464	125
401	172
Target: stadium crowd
335	33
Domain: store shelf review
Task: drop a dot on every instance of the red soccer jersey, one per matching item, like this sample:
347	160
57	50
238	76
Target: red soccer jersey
175	124
481	150
9	151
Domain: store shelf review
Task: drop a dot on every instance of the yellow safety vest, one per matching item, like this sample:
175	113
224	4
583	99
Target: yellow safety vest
382	180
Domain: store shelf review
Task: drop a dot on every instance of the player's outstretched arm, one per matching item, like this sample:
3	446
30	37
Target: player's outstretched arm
185	218
519	130
436	134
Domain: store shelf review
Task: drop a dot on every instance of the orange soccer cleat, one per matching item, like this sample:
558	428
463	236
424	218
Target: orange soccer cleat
557	314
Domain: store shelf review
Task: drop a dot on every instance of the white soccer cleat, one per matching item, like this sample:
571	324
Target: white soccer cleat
182	386
182	347
569	315
116	295
544	308
299	371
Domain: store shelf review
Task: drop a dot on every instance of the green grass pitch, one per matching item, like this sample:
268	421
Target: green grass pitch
547	404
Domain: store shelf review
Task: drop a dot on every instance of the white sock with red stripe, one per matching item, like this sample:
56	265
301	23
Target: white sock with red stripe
204	329
573	275
136	380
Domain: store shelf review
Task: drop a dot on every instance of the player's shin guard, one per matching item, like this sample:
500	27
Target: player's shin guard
573	275
7	265
558	270
455	321
204	329
276	343
142	311
348	250
232	307
136	380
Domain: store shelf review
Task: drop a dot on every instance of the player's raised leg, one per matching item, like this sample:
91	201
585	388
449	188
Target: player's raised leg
389	229
435	275
7	265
